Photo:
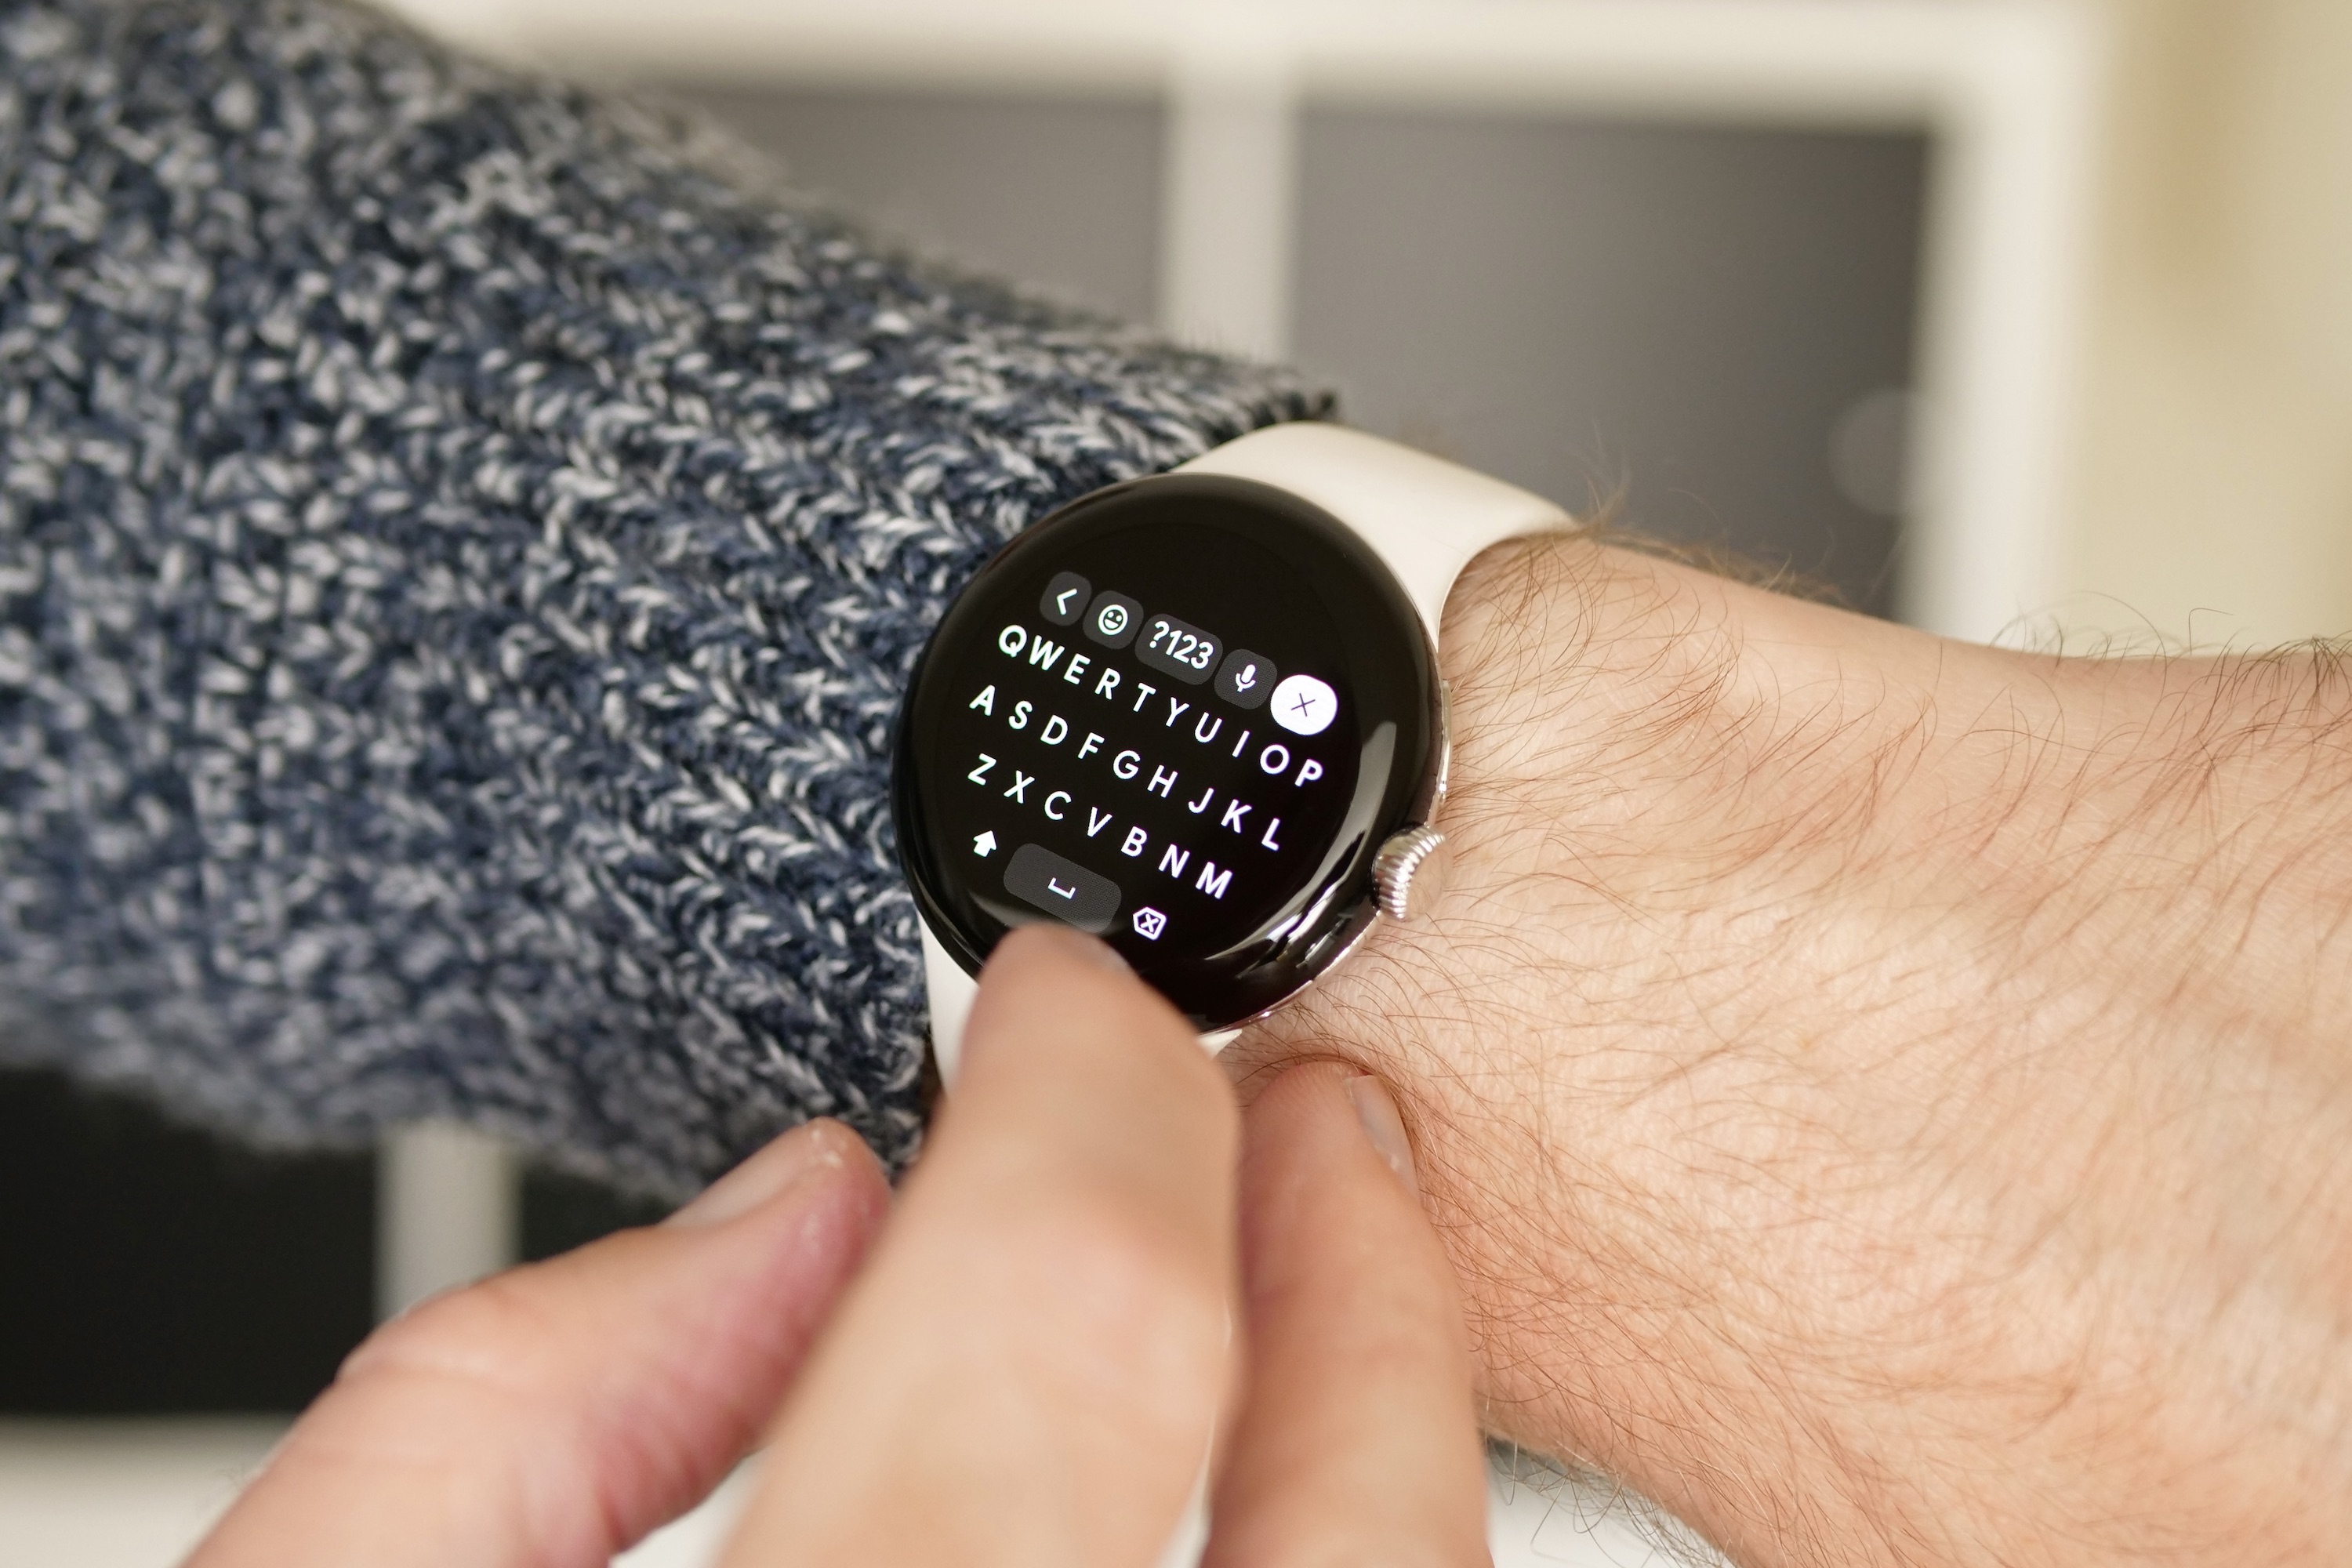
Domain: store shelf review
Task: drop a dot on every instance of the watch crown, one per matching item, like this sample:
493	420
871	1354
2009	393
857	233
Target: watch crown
1409	872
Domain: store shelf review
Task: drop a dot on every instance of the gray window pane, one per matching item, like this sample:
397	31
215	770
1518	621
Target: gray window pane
1705	313
1059	193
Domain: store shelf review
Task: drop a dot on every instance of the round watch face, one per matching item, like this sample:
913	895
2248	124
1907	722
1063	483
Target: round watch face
1182	714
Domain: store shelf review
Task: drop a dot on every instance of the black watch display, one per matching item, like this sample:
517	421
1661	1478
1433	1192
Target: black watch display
1183	714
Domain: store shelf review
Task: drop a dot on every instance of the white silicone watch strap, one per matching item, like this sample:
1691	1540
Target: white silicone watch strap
1423	515
952	991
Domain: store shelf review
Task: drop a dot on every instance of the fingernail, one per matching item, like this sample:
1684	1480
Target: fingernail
782	1164
1078	944
1384	1127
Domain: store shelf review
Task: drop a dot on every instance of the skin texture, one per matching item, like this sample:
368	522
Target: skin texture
1028	1369
1887	1099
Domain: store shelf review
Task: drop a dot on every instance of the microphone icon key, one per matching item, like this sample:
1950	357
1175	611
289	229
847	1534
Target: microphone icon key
1244	678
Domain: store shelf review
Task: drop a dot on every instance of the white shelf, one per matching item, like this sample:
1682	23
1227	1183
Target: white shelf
141	1493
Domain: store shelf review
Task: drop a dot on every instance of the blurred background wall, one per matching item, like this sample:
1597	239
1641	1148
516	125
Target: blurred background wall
2212	464
1705	321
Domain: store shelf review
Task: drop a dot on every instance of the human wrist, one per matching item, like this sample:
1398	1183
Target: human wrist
1550	1130
1748	1062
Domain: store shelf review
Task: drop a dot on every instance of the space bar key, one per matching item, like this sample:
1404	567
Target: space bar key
1062	888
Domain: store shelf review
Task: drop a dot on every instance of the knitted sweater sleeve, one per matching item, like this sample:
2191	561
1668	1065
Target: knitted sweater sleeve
459	560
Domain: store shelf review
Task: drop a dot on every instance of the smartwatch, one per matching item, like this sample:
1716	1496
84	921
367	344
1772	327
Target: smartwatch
1199	716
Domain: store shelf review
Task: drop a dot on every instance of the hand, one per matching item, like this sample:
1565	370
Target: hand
1887	1099
1028	1369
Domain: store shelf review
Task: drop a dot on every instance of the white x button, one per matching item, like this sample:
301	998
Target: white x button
1304	705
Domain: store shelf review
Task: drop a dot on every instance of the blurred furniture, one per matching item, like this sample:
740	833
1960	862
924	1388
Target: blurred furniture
1799	274
2005	91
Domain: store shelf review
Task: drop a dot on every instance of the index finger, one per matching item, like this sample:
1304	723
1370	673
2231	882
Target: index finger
1029	1371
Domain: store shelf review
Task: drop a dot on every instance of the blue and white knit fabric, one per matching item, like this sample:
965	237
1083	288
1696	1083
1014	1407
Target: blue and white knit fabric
460	558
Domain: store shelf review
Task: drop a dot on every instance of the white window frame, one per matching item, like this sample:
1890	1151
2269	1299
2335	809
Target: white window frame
2008	91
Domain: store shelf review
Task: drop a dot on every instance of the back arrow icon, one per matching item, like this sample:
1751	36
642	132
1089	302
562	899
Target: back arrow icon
984	846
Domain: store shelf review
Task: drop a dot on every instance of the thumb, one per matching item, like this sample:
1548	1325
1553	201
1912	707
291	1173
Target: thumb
555	1414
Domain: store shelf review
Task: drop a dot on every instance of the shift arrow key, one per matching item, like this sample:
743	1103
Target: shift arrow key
985	845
